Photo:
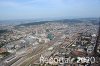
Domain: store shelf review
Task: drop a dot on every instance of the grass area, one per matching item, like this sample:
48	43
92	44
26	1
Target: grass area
5	53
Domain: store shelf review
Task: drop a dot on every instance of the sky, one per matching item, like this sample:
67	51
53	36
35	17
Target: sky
27	9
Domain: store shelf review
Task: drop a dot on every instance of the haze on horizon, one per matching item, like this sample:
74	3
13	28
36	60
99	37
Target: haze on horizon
27	9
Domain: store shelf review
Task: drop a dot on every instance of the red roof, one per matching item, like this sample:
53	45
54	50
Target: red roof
78	53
